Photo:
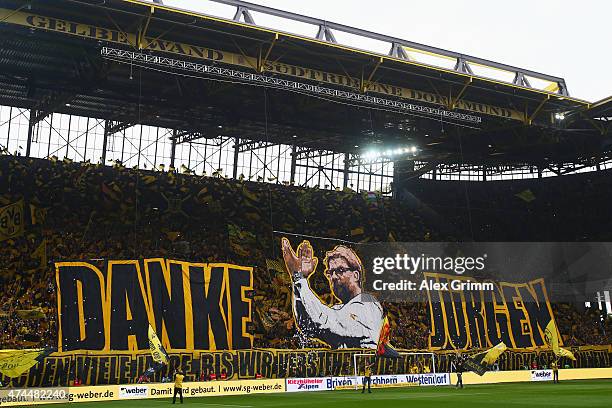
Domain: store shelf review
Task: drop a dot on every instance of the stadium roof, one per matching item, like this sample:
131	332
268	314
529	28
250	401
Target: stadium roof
103	59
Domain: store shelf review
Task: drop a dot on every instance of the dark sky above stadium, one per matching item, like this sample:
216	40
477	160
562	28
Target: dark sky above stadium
567	38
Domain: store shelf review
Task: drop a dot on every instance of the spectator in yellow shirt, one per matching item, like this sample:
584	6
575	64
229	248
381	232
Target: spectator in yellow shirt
178	385
555	368
367	378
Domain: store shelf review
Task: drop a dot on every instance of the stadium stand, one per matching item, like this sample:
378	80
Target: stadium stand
548	209
97	212
125	126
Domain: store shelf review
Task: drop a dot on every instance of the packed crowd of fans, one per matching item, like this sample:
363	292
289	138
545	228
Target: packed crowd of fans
579	328
551	209
95	212
82	211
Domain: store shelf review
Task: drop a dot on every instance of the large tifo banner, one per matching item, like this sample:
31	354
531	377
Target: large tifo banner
464	318
125	367
191	306
477	294
469	295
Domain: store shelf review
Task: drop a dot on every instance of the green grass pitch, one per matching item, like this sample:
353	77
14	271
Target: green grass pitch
591	394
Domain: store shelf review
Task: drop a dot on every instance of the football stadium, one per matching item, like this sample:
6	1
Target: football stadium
205	209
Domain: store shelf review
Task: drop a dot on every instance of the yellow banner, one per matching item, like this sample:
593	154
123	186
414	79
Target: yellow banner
189	305
11	220
58	369
33	313
38	215
13	363
194	51
478	319
552	339
157	350
494	353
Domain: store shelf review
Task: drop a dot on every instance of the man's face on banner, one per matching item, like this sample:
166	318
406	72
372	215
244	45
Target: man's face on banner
344	278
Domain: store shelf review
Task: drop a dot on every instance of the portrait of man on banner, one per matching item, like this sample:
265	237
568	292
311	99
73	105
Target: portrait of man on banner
355	321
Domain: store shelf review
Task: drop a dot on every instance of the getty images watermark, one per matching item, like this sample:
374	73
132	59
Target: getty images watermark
397	273
27	396
416	271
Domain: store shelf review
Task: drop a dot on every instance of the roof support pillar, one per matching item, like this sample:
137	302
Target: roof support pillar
236	152
521	80
326	34
142	32
293	164
173	151
538	109
243	12
397	51
346	170
463	66
262	61
31	123
107	125
460	94
366	83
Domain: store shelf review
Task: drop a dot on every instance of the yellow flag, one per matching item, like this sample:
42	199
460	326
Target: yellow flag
481	362
13	363
172	235
551	335
38	215
275	265
494	353
40	253
11	220
526	195
357	231
249	194
552	338
157	350
33	313
149	179
566	353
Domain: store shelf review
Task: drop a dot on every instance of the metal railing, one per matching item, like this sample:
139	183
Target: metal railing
398	48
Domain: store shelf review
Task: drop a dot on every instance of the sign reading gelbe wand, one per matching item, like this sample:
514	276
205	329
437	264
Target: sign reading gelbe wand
156	44
191	306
